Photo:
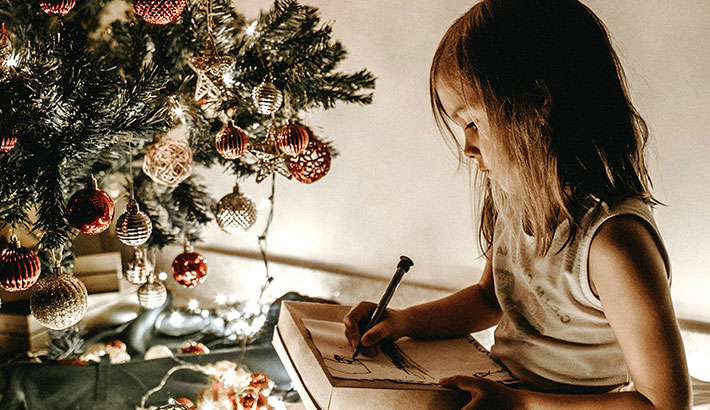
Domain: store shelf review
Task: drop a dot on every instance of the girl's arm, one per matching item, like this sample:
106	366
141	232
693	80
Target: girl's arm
628	273
468	310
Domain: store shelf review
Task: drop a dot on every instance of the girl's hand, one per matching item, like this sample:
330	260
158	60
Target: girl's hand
392	327
485	394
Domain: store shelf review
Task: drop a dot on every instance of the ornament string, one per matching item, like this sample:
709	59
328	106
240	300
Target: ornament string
262	240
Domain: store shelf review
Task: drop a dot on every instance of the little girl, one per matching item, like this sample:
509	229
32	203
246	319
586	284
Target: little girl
576	276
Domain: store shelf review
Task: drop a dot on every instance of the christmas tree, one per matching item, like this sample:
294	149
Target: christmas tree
84	96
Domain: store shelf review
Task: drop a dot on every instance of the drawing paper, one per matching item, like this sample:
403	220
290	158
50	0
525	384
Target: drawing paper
407	360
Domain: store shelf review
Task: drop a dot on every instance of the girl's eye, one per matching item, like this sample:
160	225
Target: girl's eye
471	125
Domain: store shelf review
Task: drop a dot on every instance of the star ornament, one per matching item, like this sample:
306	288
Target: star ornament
210	69
268	159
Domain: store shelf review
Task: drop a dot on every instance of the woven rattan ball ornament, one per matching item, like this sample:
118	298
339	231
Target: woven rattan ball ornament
59	301
235	212
57	7
266	97
292	139
138	268
19	267
189	268
231	141
168	162
152	293
133	227
90	210
159	11
312	164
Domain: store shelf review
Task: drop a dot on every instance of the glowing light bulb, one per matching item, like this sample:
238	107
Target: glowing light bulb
193	304
251	29
221	299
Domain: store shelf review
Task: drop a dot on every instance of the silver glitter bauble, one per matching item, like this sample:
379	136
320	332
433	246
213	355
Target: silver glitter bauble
138	268
152	294
133	227
266	97
59	301
235	212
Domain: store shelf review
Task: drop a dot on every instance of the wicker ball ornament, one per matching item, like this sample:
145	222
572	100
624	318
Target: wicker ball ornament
19	267
152	294
133	227
235	213
138	268
189	268
231	141
159	11
266	97
59	301
90	210
312	164
57	7
292	139
168	162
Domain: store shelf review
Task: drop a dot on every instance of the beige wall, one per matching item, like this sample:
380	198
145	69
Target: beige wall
395	188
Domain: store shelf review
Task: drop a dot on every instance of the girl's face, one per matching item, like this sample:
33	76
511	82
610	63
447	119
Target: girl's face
473	120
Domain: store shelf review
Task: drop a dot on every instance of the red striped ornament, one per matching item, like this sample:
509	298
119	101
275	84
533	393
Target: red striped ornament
19	267
231	141
57	7
292	139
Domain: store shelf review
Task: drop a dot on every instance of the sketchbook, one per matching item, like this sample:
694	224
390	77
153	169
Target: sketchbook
309	339
407	360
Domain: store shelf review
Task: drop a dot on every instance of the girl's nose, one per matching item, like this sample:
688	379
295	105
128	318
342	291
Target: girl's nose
471	151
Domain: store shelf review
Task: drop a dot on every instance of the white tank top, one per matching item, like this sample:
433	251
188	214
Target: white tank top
552	325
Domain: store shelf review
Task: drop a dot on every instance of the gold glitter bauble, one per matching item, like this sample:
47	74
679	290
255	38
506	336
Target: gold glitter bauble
138	268
266	97
152	294
59	301
235	212
133	227
168	162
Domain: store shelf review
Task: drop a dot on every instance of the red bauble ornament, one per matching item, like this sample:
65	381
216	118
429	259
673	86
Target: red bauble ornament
312	164
8	135
186	402
292	139
90	210
194	348
231	141
159	11
189	268
57	7
19	267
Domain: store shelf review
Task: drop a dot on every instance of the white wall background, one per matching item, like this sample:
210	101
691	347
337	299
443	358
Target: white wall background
395	188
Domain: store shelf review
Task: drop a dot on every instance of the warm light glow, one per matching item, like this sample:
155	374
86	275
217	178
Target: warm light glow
12	61
176	319
264	204
221	299
251	29
162	276
193	304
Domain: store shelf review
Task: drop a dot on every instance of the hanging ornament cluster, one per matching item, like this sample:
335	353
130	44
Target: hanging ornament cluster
189	268
19	267
159	11
152	293
168	162
57	7
292	138
133	227
90	210
312	164
235	212
269	158
231	141
266	97
59	300
138	268
8	135
210	69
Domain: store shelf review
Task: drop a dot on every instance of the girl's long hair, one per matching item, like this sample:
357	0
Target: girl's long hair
556	96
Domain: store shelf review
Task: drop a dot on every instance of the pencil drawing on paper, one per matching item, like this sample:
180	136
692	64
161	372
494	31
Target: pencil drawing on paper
403	361
345	365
